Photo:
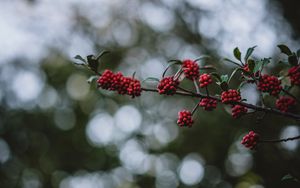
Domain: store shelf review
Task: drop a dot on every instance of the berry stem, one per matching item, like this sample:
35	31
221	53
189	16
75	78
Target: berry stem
206	89
251	106
195	108
280	140
196	86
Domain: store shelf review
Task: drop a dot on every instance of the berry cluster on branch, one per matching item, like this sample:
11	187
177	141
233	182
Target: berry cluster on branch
250	71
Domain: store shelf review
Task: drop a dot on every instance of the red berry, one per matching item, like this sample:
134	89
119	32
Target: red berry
269	84
167	86
250	140
190	69
294	74
230	96
208	103
205	80
134	88
185	118
238	110
106	79
285	103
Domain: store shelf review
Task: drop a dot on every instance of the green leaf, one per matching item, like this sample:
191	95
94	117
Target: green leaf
91	79
298	53
80	58
251	65
233	73
242	84
224	78
284	49
293	60
171	64
258	65
92	62
175	60
202	57
151	79
233	62
237	53
101	54
216	75
224	86
249	52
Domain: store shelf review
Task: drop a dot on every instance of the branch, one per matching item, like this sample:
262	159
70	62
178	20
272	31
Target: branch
280	140
250	106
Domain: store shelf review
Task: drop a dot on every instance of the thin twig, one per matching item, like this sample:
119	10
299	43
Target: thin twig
280	140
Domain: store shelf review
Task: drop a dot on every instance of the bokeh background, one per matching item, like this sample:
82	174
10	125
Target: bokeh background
56	130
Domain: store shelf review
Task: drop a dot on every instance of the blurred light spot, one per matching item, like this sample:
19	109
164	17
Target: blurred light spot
157	17
123	33
250	93
134	158
205	4
191	171
64	119
208	28
239	160
27	85
213	174
165	133
166	179
152	68
100	129
31	179
85	181
4	151
128	119
77	86
48	98
287	132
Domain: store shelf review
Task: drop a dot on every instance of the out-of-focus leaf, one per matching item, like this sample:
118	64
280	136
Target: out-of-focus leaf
91	79
293	60
237	53
216	75
151	79
289	177
251	65
92	62
175	60
208	67
80	58
171	64
233	62
233	73
202	57
284	49
249	52
224	78
101	54
224	86
298	53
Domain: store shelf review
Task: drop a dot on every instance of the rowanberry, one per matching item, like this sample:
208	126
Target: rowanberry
204	80
185	118
238	110
250	140
208	103
190	69
269	84
294	74
168	86
230	96
284	104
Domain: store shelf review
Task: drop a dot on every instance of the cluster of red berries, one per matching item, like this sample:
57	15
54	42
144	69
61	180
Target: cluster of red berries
168	86
238	110
190	69
250	140
205	79
208	103
230	95
270	84
294	74
117	82
185	118
285	103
